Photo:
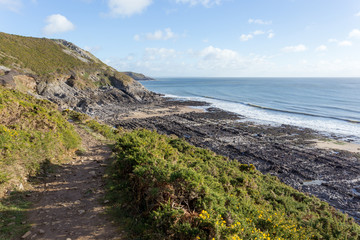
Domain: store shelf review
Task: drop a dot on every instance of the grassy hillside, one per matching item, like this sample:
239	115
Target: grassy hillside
49	59
170	189
31	132
40	55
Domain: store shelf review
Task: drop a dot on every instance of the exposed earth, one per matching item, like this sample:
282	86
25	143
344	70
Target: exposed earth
68	203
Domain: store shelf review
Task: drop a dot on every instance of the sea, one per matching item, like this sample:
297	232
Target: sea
330	106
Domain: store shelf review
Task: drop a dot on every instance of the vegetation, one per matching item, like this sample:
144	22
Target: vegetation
41	55
49	59
31	132
170	189
13	215
84	120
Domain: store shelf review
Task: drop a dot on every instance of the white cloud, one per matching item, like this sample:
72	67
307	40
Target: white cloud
209	61
246	37
297	48
127	8
161	35
165	34
216	58
12	5
321	48
152	54
355	33
137	37
57	23
357	14
259	21
205	3
258	32
211	53
345	43
271	35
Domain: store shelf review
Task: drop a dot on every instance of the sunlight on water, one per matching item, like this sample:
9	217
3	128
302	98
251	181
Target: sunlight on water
331	106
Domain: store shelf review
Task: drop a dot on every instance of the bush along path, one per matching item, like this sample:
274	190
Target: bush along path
68	199
169	189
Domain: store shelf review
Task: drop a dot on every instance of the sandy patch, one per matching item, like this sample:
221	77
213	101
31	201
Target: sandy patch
159	112
337	145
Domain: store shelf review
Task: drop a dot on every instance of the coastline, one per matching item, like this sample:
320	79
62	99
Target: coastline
335	145
290	153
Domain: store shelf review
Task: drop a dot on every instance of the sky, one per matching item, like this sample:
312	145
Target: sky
201	38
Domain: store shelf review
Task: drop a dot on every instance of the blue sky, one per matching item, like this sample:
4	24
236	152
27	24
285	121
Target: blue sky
204	38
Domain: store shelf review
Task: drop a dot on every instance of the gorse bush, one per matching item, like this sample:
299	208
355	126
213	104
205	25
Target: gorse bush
173	190
31	131
106	131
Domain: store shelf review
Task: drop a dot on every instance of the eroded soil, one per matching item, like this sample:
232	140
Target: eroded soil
69	202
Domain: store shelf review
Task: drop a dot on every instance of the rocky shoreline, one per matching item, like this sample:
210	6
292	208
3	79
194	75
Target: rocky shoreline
287	152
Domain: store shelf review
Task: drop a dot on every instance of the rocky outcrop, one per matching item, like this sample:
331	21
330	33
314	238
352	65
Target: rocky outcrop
72	77
139	76
76	51
104	102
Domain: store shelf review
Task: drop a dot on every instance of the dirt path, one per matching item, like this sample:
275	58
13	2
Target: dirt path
69	205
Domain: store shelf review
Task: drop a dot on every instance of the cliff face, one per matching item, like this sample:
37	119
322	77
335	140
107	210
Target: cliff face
139	76
65	74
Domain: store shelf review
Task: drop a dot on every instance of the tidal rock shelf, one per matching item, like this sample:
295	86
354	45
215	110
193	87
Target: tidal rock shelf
287	152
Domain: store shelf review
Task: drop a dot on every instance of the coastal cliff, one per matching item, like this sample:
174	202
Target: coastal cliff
63	73
157	186
139	76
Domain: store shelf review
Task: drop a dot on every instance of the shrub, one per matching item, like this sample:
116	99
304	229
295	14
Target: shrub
173	190
31	131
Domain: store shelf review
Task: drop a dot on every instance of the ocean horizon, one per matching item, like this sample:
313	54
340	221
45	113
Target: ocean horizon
330	106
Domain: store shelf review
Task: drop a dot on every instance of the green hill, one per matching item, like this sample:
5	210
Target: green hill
40	56
54	61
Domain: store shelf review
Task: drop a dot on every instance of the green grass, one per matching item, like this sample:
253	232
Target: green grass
84	120
47	59
13	216
31	132
169	189
41	55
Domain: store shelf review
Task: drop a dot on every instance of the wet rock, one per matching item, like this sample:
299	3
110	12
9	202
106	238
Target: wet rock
279	151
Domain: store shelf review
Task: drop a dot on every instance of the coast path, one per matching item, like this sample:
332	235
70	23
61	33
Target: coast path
69	204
